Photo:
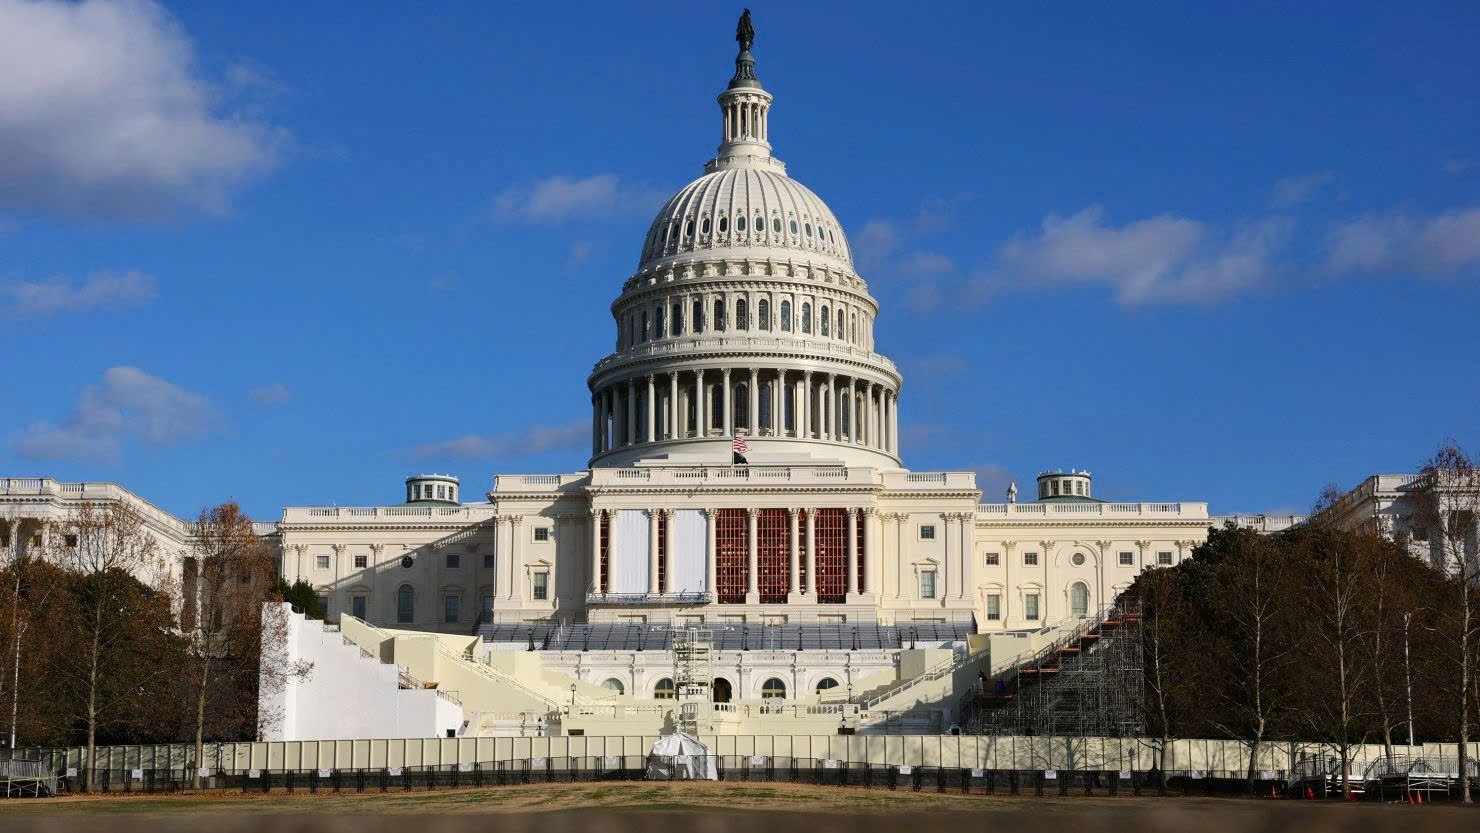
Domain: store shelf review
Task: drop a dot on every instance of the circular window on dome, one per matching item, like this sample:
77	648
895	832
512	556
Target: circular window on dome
688	229
739	223
808	228
793	226
407	561
724	225
705	227
1077	559
776	225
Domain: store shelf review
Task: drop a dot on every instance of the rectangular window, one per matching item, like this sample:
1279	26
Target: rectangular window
1030	559
1164	559
994	606
362	561
1030	607
321	561
357	606
927	584
993	559
488	561
927	532
70	540
450	604
454	561
831	538
732	556
773	555
441	492
323	604
1420	533
485	605
542	533
1127	559
541	586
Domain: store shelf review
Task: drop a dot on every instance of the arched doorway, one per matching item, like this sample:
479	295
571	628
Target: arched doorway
722	691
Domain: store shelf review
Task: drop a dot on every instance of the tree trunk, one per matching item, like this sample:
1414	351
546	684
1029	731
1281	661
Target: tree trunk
200	717
1464	687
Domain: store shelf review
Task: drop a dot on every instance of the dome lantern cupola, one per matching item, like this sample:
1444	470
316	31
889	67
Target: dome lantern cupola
746	108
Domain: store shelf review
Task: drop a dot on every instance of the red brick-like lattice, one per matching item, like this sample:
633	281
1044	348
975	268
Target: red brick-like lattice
832	557
663	552
772	528
731	555
605	577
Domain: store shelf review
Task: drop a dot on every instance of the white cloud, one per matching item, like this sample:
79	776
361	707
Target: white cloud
100	289
1461	166
104	115
927	263
535	439
876	240
561	198
933	367
1426	245
128	403
1157	260
273	394
1294	190
925	296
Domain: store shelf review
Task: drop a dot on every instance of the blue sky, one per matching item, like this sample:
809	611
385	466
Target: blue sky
291	254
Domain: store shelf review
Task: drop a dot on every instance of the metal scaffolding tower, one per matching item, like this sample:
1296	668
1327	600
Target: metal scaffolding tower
1088	683
693	670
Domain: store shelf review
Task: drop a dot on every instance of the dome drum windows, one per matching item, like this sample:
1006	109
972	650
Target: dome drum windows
696	321
704	226
807	318
785	316
724	224
739	223
742	315
822	321
677	320
719	315
793	227
763	310
776	225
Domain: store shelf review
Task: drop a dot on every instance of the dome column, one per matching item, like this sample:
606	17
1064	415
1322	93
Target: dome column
728	404
804	427
707	399
753	399
652	411
673	405
794	557
630	432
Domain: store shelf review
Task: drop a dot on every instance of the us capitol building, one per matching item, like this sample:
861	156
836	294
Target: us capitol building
745	318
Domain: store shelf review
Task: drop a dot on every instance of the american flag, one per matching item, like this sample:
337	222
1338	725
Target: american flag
739	446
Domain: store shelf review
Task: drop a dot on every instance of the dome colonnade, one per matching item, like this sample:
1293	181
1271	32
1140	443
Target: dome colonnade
745	317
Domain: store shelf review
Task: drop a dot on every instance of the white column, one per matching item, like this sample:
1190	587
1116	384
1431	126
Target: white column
711	551
753	398
825	409
894	424
706	405
728	404
595	424
652	411
630	434
812	553
804	427
870	581
793	542
852	552
968	545
653	586
594	585
752	556
673	405
516	557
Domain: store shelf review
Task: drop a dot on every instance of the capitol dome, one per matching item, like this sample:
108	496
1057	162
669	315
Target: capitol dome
745	325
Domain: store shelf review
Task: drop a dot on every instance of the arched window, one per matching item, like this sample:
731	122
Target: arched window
853	328
696	321
806	317
825	684
776	225
823	319
808	228
785	316
763	310
793	226
717	406
719	315
405	605
705	227
631	330
741	417
614	685
773	689
646	333
688	229
660	328
765	406
722	690
664	689
739	223
678	319
841	333
742	315
1078	600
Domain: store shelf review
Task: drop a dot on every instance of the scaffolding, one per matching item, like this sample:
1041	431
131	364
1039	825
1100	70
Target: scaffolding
693	671
1088	683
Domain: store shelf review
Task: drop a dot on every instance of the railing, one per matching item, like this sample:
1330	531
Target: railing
689	345
95	491
468	512
498	676
696	597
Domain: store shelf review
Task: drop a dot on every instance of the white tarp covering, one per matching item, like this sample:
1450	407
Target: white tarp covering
630	556
690	539
681	757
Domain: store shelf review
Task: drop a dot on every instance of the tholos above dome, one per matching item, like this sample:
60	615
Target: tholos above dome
747	212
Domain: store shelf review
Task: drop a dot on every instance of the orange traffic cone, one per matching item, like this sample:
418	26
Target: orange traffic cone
1408	794
1308	793
1420	797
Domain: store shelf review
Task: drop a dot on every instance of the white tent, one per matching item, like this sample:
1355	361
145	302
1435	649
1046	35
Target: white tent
681	757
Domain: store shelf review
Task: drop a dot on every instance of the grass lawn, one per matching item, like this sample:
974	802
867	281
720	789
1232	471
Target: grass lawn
759	807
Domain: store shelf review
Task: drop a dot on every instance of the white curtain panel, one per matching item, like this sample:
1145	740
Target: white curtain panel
690	538
629	557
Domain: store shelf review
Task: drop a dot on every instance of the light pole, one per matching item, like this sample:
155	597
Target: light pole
572	695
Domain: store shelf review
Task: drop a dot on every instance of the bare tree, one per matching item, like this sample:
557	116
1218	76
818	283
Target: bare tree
233	629
1255	650
1167	630
112	547
1450	489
